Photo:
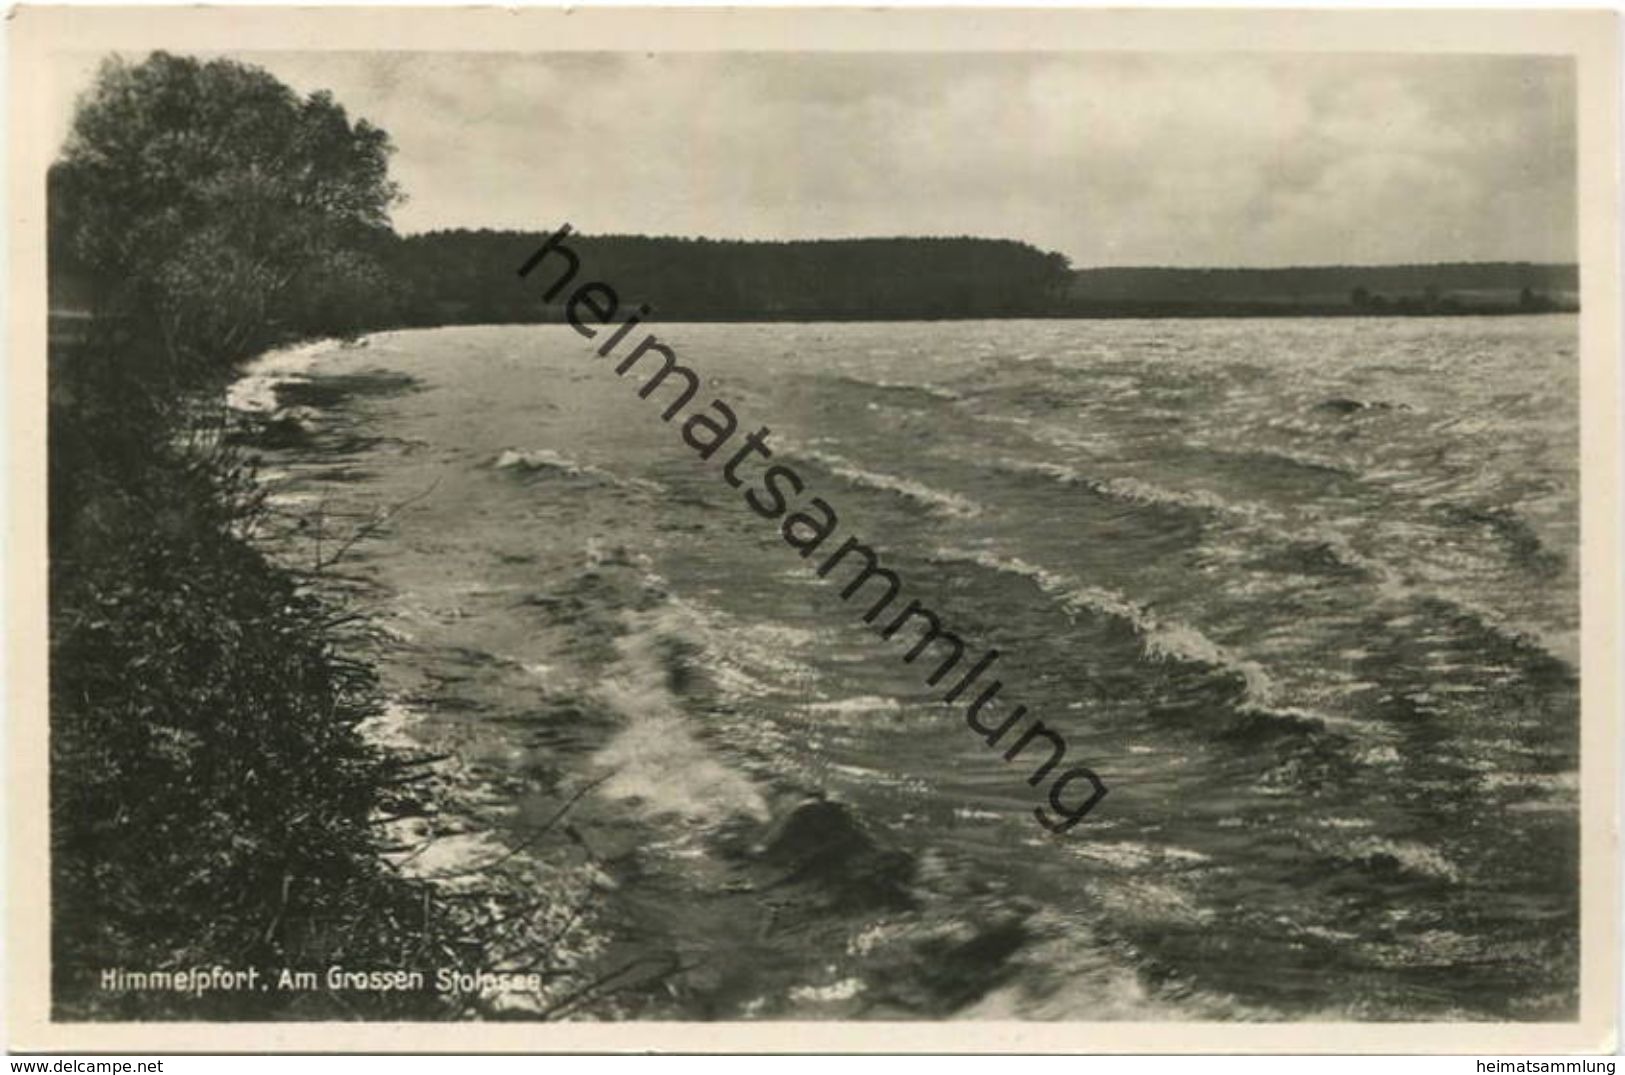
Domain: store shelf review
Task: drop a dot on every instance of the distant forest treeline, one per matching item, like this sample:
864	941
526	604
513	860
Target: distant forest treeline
1458	287
465	276
469	277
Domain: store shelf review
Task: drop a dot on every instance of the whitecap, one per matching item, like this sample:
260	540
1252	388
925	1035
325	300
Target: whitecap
656	761
255	391
547	459
1161	640
938	500
845	989
866	703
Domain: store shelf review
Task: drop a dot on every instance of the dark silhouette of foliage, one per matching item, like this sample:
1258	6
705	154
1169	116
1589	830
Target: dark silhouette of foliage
1325	290
468	276
213	205
211	798
462	277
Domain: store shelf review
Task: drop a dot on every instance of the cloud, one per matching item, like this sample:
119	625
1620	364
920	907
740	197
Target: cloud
1111	158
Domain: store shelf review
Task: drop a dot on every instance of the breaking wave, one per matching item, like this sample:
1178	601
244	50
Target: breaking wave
1162	640
546	459
935	499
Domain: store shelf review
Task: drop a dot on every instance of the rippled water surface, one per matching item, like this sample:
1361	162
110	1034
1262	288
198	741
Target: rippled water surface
1303	593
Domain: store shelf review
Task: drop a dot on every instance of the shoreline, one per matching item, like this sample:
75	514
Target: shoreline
836	318
741	845
253	747
500	691
441	842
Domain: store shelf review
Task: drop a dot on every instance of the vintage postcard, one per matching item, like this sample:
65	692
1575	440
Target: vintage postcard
973	530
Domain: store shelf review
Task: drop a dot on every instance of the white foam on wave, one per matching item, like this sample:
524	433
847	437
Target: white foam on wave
745	659
863	703
1413	857
532	459
845	989
1134	855
1139	491
1564	645
292	500
1236	444
1396	580
450	858
657	762
255	391
1248	517
938	500
1162	641
390	727
1143	492
932	390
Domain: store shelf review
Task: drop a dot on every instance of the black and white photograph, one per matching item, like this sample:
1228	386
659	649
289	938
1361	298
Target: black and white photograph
620	523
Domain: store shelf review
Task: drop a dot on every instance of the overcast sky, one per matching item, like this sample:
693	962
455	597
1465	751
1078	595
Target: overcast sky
1110	158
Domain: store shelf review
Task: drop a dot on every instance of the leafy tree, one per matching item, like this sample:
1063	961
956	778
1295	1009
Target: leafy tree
218	208
212	800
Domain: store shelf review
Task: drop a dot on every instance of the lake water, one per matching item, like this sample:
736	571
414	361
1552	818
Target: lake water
1303	593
